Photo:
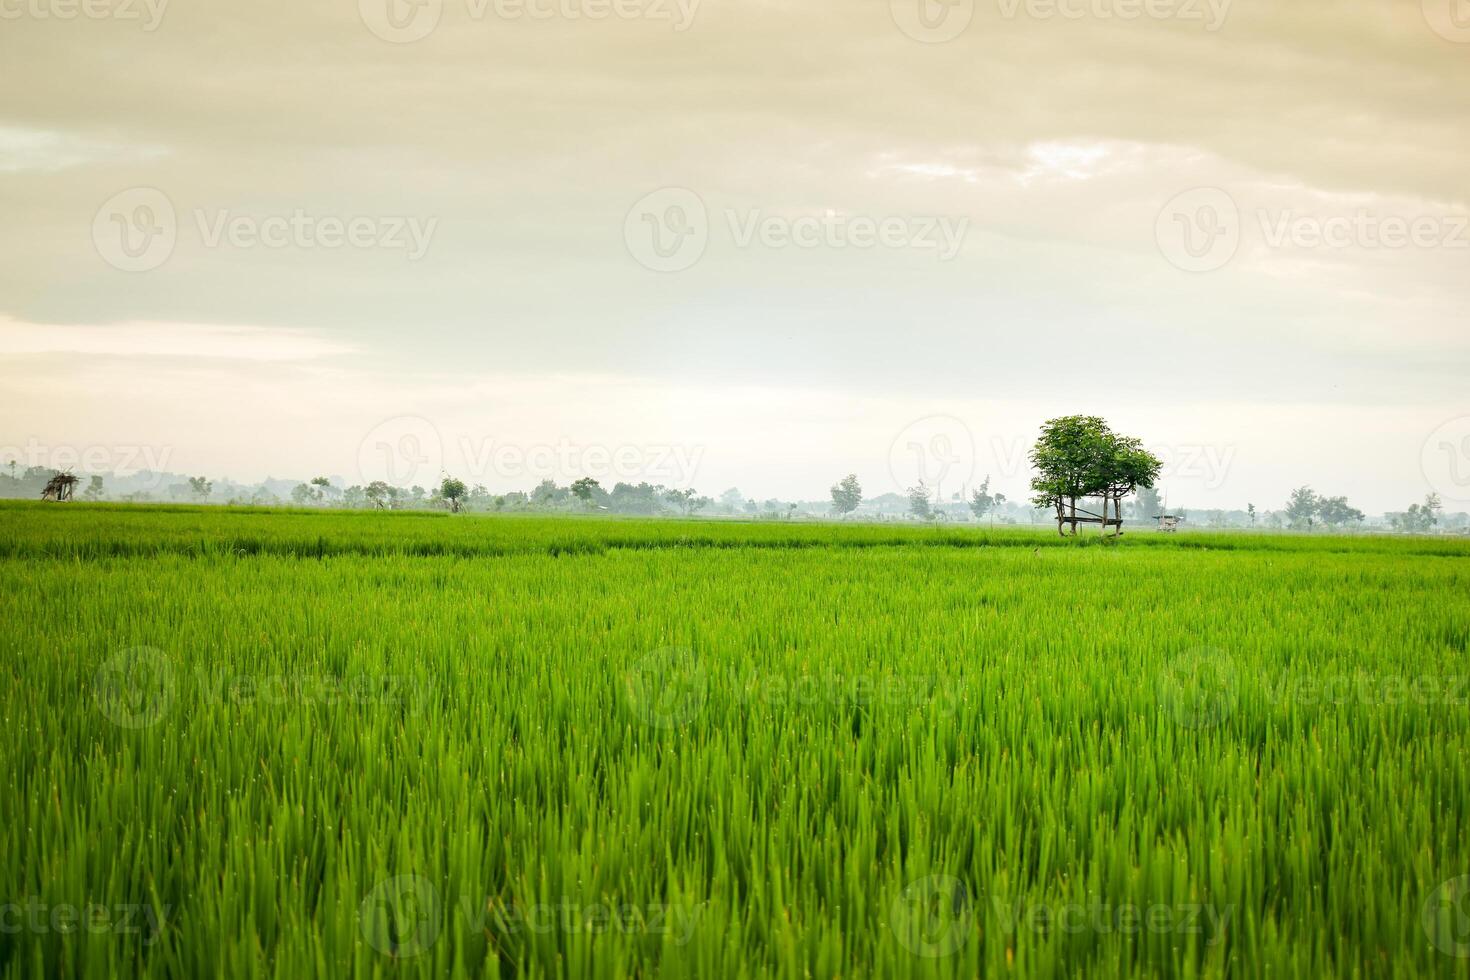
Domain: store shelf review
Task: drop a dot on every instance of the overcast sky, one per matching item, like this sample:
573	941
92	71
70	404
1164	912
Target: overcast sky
739	242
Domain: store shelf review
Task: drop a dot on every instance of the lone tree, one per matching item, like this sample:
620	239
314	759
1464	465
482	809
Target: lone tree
847	494
919	502
1079	456
379	493
453	491
982	501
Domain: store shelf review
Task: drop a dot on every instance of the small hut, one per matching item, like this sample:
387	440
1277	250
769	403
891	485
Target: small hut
59	487
1168	522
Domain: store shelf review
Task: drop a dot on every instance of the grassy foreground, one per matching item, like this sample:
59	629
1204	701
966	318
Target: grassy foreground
328	744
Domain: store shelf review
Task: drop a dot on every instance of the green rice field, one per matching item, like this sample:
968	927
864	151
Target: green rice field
355	744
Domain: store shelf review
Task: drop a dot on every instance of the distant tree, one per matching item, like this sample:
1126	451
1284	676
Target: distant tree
683	499
379	493
453	491
302	494
1335	512
732	499
587	489
322	488
642	498
417	493
1419	518
982	501
354	496
1250	512
200	487
1146	504
847	495
1301	509
919	502
94	489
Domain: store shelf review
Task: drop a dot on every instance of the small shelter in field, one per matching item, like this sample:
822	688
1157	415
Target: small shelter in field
1168	522
59	487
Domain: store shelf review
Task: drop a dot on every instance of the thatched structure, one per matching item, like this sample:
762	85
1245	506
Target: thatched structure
59	487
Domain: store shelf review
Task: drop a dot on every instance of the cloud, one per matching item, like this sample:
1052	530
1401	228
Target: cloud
165	340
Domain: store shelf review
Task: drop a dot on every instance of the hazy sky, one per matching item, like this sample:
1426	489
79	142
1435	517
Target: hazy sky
719	242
